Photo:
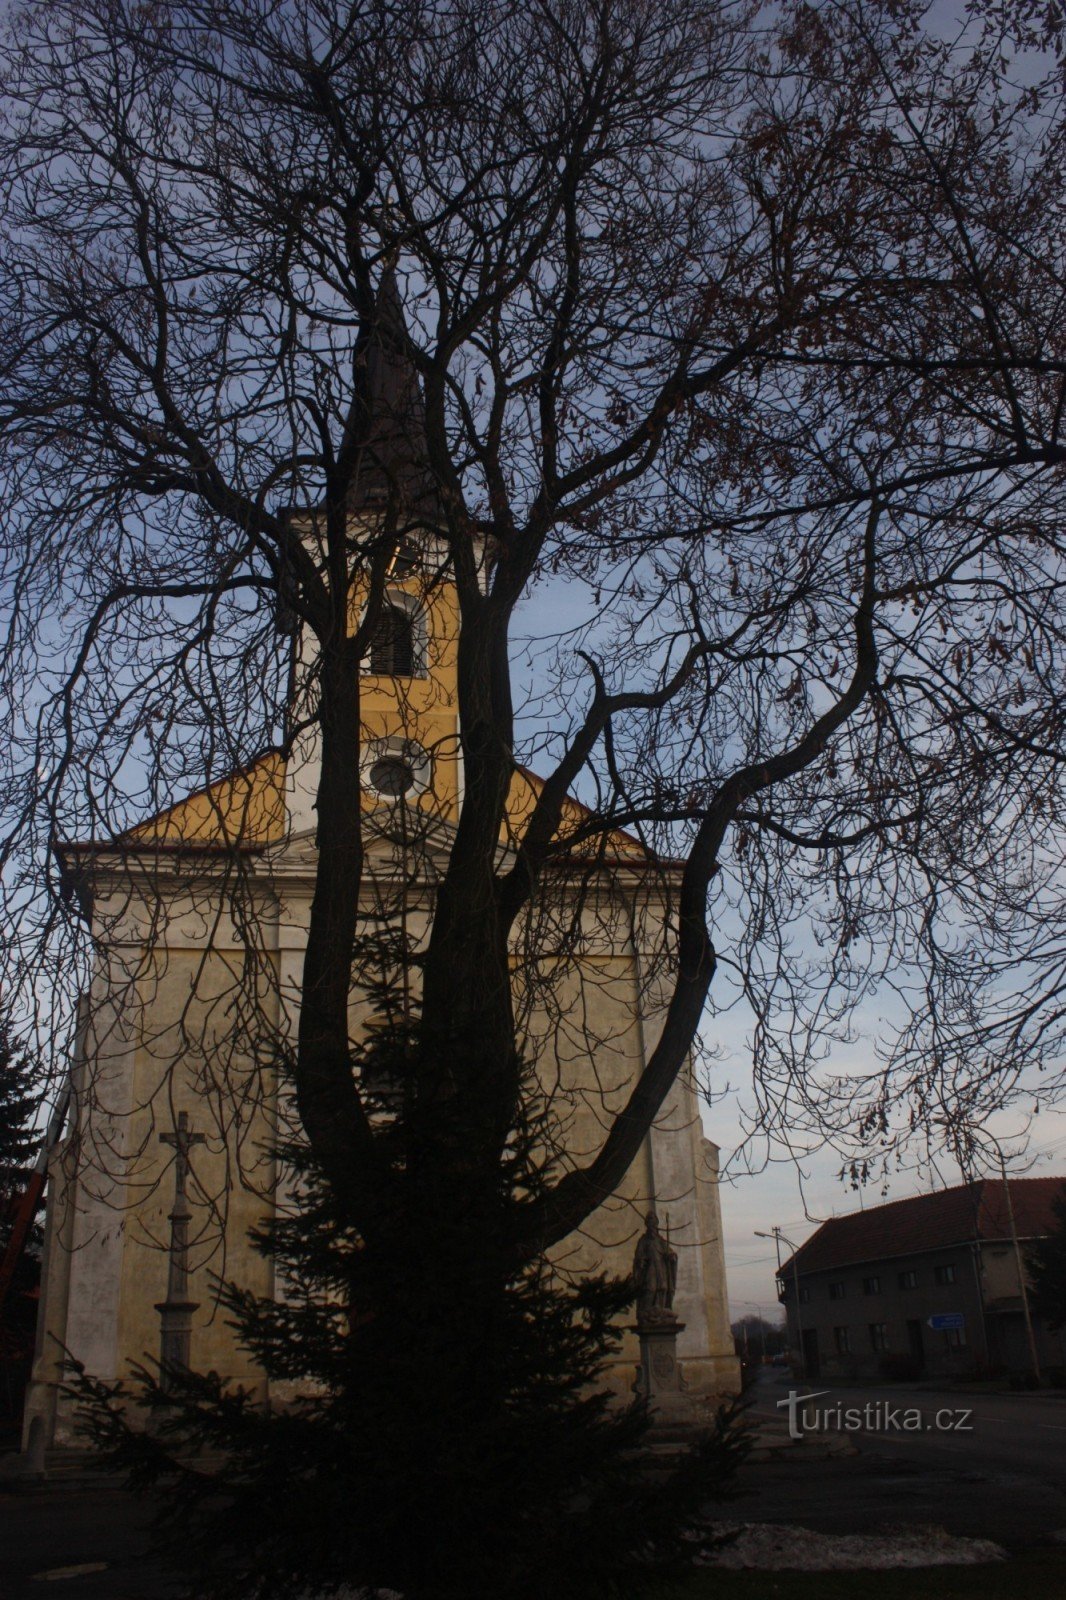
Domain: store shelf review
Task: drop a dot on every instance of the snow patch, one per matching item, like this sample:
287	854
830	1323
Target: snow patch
348	1593
775	1547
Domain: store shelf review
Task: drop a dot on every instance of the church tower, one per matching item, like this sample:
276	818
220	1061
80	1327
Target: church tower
409	689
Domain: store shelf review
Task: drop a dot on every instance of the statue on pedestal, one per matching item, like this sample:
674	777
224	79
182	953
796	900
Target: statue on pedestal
654	1275
659	1379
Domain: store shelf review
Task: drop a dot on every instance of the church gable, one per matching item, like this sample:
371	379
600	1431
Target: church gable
246	808
525	790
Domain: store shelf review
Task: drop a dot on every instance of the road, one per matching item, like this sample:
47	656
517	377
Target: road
77	1542
1004	1478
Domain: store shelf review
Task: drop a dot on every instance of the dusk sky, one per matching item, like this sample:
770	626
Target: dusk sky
763	1185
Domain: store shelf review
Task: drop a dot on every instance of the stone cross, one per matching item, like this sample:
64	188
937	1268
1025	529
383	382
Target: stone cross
175	1312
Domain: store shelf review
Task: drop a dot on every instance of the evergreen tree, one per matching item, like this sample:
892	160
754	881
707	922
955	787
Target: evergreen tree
1047	1267
19	1103
434	1466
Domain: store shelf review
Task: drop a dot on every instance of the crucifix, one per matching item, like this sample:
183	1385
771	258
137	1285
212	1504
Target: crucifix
175	1312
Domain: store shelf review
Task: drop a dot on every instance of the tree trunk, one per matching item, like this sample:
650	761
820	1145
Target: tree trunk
330	1109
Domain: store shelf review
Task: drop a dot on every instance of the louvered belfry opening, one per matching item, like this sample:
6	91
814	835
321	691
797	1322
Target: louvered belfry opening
392	644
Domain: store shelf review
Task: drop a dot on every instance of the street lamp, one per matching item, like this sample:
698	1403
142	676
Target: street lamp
777	1236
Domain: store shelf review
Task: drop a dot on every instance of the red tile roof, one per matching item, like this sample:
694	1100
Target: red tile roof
931	1222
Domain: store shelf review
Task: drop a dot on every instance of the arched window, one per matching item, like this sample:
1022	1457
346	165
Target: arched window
391	653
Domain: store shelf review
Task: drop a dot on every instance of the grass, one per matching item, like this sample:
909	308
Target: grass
1038	1575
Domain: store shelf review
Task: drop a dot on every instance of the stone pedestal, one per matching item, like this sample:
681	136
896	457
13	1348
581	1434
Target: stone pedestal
658	1379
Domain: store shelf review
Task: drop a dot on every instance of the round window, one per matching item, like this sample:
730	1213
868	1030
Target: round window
395	768
392	775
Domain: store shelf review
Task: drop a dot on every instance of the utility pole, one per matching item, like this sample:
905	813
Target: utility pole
762	1330
1022	1285
777	1236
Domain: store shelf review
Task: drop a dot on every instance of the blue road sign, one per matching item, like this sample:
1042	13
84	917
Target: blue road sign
943	1321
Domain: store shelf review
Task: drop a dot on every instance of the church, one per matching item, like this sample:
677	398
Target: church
199	916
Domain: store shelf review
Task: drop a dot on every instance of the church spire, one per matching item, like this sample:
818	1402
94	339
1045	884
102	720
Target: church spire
394	454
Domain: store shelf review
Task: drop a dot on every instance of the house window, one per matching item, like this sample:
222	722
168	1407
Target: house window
871	1285
956	1338
805	1295
837	1290
391	652
879	1336
908	1279
945	1273
842	1340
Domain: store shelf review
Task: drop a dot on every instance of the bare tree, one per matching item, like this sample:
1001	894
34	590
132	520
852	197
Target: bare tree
745	332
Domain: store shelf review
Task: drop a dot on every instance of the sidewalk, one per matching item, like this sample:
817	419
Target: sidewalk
772	1442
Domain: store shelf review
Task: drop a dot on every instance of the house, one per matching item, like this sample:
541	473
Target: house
923	1287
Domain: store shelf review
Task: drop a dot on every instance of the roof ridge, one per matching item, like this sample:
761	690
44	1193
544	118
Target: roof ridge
937	1219
948	1188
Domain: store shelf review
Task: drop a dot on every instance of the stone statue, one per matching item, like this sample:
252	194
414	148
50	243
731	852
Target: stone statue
654	1274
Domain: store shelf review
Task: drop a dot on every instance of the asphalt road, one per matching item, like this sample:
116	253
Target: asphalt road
1003	1478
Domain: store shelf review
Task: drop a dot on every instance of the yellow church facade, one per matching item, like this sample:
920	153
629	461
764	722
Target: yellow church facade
201	917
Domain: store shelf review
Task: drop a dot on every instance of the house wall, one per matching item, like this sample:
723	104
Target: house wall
900	1310
985	1291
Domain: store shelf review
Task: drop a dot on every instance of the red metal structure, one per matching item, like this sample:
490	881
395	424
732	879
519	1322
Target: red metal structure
30	1198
